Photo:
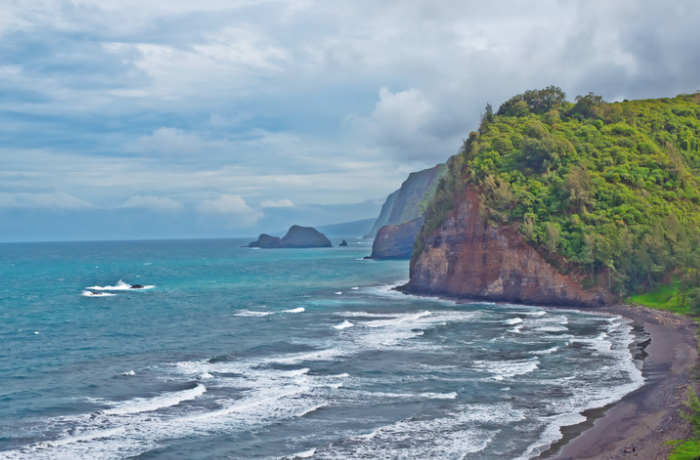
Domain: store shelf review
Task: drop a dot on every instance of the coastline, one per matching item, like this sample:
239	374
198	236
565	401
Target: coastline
648	417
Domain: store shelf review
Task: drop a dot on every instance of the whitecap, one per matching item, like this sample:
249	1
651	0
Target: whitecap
344	325
253	313
295	310
514	321
96	294
309	410
129	373
545	352
339	293
137	405
452	395
306	454
508	368
120	286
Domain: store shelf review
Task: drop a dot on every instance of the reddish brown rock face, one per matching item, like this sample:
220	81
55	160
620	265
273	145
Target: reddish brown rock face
466	257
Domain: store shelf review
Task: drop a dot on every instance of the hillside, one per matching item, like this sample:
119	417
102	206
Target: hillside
606	194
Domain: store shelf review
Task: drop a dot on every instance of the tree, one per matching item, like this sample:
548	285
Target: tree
587	106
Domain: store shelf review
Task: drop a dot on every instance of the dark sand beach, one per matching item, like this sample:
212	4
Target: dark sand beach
648	417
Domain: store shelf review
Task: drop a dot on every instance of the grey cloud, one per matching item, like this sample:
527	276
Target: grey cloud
273	100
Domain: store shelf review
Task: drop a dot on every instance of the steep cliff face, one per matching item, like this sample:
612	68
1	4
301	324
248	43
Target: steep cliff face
396	241
384	215
465	257
408	202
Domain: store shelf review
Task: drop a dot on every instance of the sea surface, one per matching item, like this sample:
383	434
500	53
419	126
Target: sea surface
237	353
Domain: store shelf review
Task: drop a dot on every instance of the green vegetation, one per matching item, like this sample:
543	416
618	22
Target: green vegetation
667	297
689	449
609	191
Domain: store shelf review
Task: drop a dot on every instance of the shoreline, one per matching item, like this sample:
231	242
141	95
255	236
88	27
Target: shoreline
648	417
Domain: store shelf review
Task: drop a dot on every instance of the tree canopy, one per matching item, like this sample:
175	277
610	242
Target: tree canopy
609	190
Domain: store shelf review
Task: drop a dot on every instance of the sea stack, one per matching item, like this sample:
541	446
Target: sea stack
296	237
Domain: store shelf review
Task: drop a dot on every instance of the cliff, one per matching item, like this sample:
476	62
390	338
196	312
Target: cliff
408	202
296	237
552	202
396	241
466	257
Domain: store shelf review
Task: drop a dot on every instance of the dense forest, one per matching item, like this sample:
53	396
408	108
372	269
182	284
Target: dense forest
608	191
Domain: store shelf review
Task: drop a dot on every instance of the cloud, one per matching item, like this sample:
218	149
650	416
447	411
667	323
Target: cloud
233	208
277	204
54	201
331	102
404	123
153	203
171	141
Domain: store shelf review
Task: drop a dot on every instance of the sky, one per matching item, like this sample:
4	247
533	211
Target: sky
126	119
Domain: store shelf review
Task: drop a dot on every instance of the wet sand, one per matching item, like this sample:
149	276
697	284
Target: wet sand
648	417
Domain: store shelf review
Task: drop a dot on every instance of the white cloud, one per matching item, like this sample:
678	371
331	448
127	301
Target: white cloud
277	204
171	141
56	201
408	125
233	207
154	203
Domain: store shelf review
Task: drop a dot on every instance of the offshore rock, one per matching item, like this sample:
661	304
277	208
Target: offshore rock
468	258
296	237
396	241
266	241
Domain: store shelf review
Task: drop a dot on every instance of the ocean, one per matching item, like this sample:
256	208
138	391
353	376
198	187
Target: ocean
235	353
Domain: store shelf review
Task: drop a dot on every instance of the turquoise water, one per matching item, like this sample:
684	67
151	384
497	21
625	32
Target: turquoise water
236	353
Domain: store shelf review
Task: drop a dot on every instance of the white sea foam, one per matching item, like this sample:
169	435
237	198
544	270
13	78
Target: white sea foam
254	314
80	438
329	354
295	310
601	388
309	410
453	436
548	351
87	293
306	454
513	321
339	293
120	286
397	320
138	405
508	368
344	325
129	373
355	288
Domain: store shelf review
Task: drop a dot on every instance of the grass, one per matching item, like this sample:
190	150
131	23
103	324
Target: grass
664	298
